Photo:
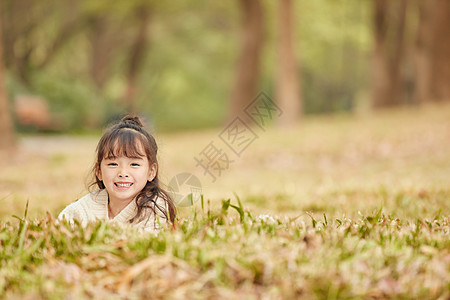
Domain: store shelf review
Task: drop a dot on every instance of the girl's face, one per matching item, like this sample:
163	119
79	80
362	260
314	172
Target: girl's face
124	177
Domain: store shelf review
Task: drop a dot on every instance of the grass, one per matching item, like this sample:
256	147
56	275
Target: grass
228	253
339	207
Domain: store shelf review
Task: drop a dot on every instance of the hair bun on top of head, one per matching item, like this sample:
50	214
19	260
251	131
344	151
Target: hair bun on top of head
132	119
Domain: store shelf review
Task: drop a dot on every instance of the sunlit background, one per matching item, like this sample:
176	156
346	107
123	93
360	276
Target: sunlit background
363	87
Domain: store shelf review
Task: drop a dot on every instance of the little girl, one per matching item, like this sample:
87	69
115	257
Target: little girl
126	173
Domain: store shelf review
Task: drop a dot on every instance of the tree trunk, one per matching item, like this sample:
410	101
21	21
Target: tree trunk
424	37
440	67
397	59
103	45
389	28
380	71
7	141
248	66
137	55
288	93
432	62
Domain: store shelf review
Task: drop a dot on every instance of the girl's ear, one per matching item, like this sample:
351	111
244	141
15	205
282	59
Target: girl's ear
98	173
152	172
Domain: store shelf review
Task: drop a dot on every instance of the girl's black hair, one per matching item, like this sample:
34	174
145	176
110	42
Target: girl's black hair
124	138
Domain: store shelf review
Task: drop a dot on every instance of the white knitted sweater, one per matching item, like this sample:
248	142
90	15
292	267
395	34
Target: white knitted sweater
94	207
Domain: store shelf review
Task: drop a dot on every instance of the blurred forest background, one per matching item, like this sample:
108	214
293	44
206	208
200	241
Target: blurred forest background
362	144
72	66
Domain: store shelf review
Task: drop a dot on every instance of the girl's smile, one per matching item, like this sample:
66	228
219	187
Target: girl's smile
123	185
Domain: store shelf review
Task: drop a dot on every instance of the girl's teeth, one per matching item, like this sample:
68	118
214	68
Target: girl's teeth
123	184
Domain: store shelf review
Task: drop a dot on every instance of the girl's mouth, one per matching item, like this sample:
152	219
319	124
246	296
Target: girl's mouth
122	185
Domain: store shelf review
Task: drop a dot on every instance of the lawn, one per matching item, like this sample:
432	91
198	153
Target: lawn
343	206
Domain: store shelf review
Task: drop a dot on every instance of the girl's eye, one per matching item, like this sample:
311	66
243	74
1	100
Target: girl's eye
135	164
112	164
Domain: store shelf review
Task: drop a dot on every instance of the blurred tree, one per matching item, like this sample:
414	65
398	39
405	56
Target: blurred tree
334	40
119	33
422	51
248	65
288	93
441	53
432	51
389	32
18	25
30	36
79	54
6	126
103	39
70	23
136	56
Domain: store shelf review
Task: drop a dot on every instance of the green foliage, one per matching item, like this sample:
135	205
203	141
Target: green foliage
73	104
188	69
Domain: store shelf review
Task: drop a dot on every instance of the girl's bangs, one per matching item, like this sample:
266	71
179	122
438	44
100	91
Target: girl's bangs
126	143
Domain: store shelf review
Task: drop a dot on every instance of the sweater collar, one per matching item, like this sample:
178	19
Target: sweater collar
101	202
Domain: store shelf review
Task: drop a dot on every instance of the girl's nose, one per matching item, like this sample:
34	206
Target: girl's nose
123	173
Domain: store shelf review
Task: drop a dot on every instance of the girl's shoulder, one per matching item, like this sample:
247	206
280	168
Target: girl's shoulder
99	196
94	200
75	206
